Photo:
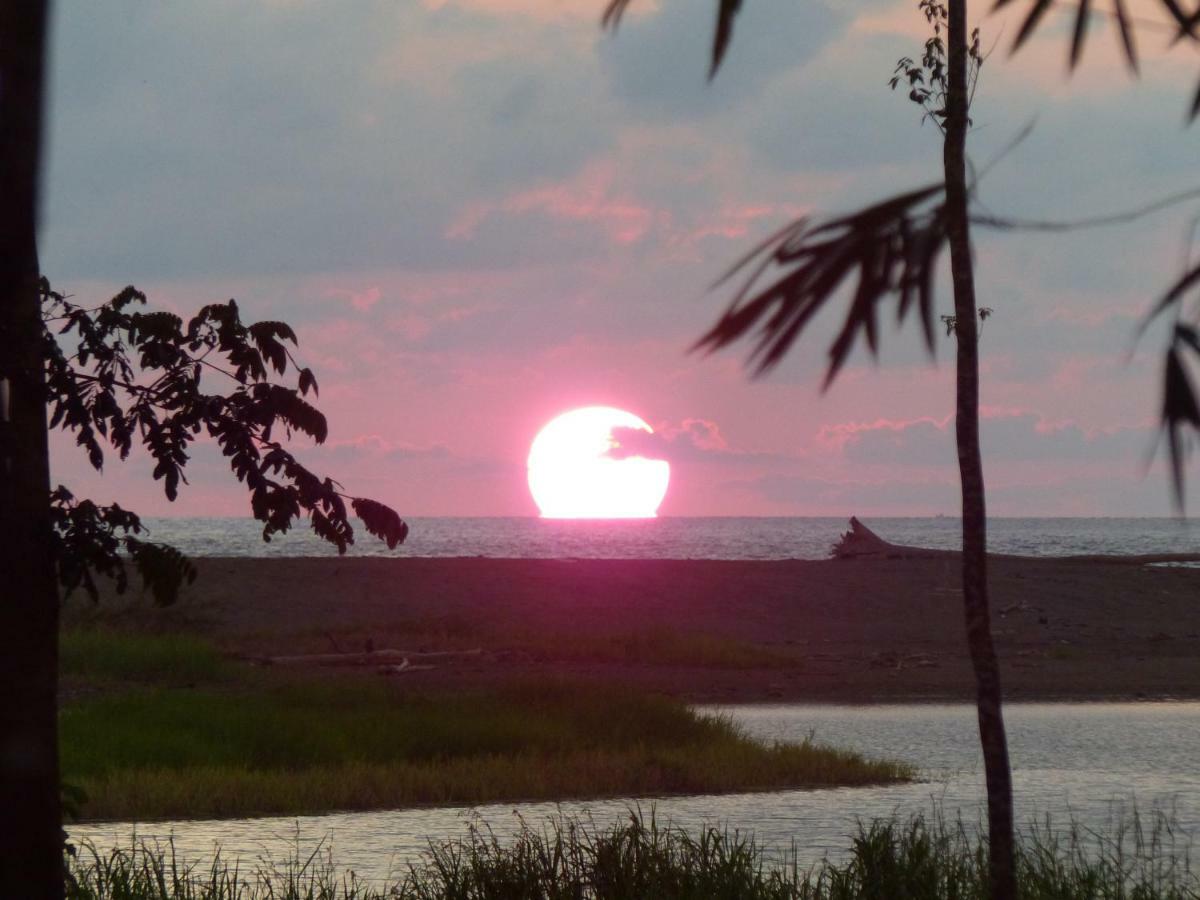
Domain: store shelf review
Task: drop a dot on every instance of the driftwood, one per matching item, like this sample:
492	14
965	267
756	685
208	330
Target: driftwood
860	542
393	659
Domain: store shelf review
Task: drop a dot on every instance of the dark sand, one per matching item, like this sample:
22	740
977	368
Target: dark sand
858	631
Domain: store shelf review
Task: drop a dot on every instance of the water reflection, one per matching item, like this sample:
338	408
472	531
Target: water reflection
1088	762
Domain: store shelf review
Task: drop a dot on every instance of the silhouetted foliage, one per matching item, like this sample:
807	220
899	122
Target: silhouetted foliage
91	539
126	376
893	245
1083	13
893	249
926	78
1180	409
1184	24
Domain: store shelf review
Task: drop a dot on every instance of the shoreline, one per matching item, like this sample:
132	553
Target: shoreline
866	631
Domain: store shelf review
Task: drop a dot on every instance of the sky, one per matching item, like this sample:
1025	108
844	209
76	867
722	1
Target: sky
478	214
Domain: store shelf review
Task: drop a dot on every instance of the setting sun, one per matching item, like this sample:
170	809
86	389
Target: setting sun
573	473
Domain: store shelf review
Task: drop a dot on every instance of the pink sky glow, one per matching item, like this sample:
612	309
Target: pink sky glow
479	214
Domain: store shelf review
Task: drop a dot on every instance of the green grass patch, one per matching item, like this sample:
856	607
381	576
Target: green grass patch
311	747
101	655
165	727
913	860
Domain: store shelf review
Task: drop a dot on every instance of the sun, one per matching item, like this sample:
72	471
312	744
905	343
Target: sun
573	473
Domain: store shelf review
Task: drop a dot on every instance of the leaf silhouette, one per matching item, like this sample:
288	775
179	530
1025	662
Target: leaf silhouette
1175	292
1125	27
1039	9
380	521
308	382
1082	16
727	11
1180	410
1186	23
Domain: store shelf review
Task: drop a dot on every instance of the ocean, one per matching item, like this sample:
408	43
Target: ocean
682	538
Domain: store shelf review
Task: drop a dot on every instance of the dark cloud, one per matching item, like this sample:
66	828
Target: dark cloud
694	440
658	63
1008	438
699	453
228	138
800	494
1093	495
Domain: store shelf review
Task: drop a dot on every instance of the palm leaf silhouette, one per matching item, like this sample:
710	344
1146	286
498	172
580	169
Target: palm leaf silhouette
891	247
1180	411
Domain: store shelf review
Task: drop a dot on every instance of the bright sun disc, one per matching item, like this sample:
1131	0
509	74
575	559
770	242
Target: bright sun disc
573	473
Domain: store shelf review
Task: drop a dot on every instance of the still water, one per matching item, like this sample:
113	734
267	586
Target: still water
1090	763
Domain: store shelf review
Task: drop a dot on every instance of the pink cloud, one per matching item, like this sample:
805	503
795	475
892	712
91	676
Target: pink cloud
360	300
591	198
837	436
728	223
546	10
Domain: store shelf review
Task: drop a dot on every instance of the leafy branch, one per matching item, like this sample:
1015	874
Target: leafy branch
88	539
926	80
141	377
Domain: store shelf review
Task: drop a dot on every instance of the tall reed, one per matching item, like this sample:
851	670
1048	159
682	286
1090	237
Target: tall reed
639	859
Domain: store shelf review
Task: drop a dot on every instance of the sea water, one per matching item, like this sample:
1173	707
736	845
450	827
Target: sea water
682	538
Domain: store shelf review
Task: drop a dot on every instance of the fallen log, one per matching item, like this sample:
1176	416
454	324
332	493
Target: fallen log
387	657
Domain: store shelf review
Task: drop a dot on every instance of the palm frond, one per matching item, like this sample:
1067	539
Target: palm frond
1125	27
1082	16
613	13
1185	22
892	247
727	11
1180	412
1180	406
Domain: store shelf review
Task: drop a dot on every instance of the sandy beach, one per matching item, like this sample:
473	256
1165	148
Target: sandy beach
856	631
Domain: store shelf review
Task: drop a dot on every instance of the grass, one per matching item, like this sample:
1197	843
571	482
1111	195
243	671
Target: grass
229	740
889	860
100	656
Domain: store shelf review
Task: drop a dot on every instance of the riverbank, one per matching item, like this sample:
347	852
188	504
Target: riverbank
880	630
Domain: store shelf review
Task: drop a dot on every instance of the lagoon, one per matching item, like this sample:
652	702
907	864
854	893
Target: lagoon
1094	764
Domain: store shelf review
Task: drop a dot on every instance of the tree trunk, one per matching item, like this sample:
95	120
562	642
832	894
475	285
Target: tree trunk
30	817
974	514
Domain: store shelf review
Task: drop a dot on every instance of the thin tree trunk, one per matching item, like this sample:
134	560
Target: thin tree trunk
30	817
974	513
